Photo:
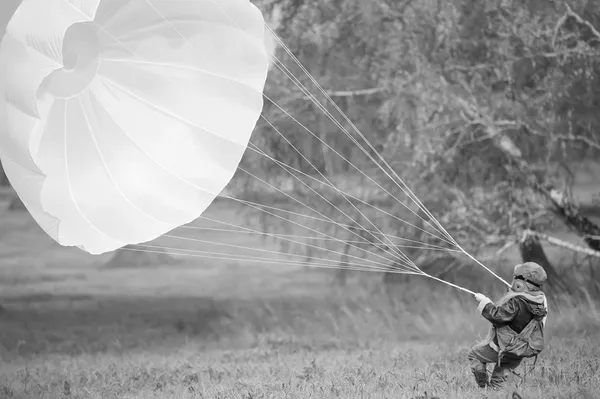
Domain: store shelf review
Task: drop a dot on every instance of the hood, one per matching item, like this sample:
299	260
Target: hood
536	302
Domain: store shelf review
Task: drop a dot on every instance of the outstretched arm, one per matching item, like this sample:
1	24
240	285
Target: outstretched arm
497	314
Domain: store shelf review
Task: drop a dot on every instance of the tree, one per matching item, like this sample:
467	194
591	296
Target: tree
478	98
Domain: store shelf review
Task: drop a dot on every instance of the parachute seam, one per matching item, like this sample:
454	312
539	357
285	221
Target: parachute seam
108	172
68	179
126	38
159	164
163	64
168	113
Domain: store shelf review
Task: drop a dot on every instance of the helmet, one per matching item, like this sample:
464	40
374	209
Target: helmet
530	272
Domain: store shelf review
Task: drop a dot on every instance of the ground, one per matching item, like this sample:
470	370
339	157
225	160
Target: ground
71	327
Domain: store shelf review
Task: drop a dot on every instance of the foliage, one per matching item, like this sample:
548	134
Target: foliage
405	73
528	68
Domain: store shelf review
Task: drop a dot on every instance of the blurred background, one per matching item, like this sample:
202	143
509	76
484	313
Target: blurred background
487	111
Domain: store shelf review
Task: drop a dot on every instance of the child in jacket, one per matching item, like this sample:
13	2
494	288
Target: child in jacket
518	321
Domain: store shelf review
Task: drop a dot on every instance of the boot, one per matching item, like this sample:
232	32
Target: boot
480	373
499	378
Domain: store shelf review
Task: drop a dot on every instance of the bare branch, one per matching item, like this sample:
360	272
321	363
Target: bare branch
504	248
353	93
582	21
585	140
563	244
561	137
561	21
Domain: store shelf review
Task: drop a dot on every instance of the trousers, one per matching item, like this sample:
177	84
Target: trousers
481	355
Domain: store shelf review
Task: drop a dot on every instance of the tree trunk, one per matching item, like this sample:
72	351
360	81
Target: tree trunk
341	275
561	204
573	218
532	251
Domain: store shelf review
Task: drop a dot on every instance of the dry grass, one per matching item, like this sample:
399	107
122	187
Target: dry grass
329	346
70	328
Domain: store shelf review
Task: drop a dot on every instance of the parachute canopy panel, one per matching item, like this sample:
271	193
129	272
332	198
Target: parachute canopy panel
126	118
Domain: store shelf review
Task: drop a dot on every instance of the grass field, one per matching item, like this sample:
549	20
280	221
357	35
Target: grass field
72	328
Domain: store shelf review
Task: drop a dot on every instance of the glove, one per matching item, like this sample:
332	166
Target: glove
483	300
481	297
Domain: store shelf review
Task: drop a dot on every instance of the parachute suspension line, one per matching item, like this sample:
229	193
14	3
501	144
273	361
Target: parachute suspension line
125	47
302	155
354	166
340	224
343	129
424	245
401	254
315	101
283	165
347	227
278	216
232	198
349	121
408	190
183	37
306	227
362	148
404	186
348	266
263	260
378	264
217	256
330	184
328	219
326	261
301	226
257	208
303	88
485	267
408	265
430	247
324	183
325	199
282	237
333	119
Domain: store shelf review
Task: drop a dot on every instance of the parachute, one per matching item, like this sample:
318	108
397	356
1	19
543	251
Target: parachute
126	118
121	120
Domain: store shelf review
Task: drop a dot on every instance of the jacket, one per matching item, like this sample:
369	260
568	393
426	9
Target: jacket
511	315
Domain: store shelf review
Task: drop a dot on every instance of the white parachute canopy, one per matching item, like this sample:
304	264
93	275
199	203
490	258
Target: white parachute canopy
126	118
